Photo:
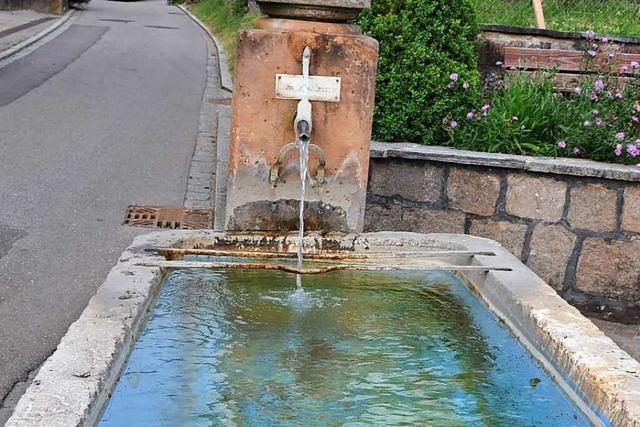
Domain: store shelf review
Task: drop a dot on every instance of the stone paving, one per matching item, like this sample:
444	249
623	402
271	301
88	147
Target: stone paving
215	102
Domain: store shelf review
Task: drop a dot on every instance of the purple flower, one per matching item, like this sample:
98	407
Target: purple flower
590	35
453	77
618	150
620	136
595	112
610	56
594	46
599	121
632	150
453	124
625	68
577	151
634	119
636	106
562	143
591	53
604	40
593	96
577	90
598	85
619	94
450	85
470	115
586	123
499	64
465	86
485	109
634	64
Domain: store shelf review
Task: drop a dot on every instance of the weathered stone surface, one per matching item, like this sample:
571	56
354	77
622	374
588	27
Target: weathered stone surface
320	10
421	182
262	124
381	218
535	197
432	221
631	213
473	191
609	269
559	166
508	234
551	248
593	207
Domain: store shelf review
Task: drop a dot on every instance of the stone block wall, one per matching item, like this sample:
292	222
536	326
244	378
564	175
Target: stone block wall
575	223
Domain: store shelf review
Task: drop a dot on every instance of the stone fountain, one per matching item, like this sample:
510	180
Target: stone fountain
303	74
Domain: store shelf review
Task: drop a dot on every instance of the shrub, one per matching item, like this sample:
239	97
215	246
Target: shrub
422	44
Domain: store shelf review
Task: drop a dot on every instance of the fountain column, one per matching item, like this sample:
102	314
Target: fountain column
263	185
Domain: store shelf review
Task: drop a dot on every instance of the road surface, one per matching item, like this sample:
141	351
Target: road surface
103	116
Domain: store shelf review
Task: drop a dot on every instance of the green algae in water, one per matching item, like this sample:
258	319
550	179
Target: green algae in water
356	348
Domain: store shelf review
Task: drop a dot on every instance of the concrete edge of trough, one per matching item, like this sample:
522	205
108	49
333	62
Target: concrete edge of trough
549	165
73	386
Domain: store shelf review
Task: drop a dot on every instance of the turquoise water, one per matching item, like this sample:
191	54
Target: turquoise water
356	348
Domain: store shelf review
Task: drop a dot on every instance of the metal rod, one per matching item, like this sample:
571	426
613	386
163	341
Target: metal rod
318	270
319	256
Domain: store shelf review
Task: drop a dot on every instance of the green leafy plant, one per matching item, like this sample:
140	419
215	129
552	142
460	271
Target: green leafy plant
237	7
423	43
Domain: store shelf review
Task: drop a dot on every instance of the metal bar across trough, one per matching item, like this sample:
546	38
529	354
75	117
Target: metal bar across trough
319	256
318	270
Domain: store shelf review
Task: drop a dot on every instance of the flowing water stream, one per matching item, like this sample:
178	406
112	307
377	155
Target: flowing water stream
303	144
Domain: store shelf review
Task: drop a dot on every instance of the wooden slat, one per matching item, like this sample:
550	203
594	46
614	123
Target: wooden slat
567	82
566	60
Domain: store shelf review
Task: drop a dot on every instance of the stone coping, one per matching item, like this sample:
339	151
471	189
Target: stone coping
73	386
548	165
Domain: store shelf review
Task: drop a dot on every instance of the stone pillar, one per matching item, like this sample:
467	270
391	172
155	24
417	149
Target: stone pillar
262	124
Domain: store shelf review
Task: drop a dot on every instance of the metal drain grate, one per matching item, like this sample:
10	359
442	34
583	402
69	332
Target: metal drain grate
167	217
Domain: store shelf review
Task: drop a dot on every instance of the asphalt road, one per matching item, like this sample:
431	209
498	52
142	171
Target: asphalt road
103	116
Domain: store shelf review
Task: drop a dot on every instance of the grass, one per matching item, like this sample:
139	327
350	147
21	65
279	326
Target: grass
224	22
614	17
